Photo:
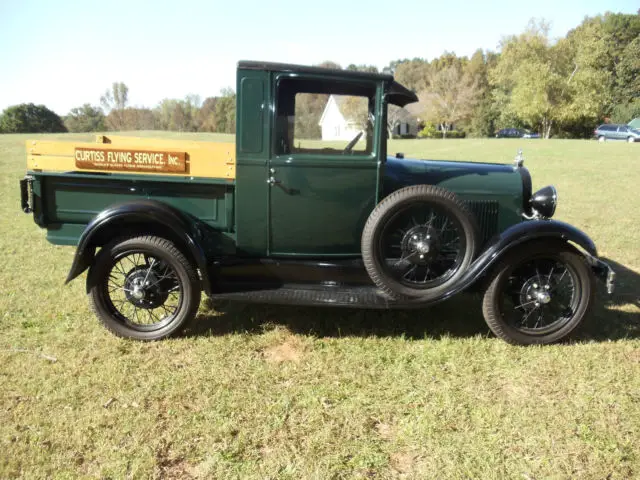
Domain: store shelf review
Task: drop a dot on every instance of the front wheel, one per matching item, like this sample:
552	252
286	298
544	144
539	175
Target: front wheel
631	139
143	288
538	294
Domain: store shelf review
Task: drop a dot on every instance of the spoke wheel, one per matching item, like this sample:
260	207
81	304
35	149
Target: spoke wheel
539	294
143	288
421	246
418	242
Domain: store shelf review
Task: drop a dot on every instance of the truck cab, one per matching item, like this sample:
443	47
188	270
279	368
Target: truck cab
318	193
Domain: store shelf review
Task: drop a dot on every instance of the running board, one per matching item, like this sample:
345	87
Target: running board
318	295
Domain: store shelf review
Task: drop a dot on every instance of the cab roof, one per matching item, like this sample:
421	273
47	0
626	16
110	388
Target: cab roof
396	93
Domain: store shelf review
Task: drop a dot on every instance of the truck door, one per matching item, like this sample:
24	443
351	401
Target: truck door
323	170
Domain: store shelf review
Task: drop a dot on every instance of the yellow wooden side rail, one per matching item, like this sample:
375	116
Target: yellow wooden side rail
140	156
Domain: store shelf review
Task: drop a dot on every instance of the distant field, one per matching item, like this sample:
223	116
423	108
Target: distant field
292	393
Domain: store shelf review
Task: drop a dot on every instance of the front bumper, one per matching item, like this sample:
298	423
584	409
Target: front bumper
604	272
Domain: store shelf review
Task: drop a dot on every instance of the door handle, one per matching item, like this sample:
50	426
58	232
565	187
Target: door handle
278	183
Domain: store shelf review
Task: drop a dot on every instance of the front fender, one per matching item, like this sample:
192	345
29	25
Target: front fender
164	218
537	229
519	234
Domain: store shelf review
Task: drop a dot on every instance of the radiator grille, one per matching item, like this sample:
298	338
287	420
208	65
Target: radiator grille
486	212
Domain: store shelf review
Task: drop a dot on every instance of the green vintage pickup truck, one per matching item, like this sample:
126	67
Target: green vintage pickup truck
276	218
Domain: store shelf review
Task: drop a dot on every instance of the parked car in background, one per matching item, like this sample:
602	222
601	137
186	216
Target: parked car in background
613	131
516	133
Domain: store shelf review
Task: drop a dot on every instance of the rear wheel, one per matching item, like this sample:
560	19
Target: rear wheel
538	294
418	242
144	288
601	138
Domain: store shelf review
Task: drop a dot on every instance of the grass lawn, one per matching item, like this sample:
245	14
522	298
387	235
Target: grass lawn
277	392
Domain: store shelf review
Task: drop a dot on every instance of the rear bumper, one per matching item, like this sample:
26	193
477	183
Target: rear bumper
604	272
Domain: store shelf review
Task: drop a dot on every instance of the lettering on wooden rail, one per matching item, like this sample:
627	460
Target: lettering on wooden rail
130	160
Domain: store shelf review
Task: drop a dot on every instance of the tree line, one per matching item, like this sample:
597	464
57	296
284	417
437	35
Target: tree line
562	88
215	114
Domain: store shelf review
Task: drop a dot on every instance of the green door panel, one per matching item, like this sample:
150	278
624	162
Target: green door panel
321	205
319	200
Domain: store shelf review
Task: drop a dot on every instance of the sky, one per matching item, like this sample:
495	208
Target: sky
65	53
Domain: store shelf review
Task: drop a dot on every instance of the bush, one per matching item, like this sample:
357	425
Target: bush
403	136
430	131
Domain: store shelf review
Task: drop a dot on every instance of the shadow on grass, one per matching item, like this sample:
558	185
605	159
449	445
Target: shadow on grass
616	316
612	318
461	317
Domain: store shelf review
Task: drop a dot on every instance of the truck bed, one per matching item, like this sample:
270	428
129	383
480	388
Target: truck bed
66	192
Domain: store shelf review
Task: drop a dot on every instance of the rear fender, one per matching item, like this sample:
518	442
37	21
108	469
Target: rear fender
140	217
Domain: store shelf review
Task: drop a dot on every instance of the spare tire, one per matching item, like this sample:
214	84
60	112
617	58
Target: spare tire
418	242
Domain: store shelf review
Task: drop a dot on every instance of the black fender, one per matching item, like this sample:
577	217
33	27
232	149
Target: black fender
519	234
163	218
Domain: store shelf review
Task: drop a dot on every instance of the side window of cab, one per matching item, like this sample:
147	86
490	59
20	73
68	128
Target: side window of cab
323	118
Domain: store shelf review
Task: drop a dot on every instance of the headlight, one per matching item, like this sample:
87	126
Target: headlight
543	202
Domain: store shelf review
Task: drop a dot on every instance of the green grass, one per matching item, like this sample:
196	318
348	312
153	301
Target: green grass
276	392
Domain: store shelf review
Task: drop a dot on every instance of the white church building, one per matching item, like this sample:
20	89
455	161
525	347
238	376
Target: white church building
333	123
335	126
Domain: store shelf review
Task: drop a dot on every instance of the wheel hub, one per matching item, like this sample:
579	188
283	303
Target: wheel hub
535	293
420	245
143	289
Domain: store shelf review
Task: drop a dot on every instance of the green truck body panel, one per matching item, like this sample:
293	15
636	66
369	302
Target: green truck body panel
66	203
253	127
318	202
476	183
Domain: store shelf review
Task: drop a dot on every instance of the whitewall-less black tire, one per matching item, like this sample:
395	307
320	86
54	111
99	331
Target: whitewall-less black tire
418	242
144	288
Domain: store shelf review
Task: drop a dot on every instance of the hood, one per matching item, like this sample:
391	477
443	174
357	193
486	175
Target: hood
467	178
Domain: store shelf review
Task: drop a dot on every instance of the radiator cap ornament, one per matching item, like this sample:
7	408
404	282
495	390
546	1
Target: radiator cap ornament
519	160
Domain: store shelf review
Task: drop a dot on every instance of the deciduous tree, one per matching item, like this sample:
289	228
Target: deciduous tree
114	101
207	115
547	85
450	97
30	118
86	118
225	111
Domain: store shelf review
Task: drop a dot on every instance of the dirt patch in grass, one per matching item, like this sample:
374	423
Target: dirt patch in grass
404	462
385	430
177	470
290	350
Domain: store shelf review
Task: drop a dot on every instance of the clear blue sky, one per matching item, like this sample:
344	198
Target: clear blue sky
63	53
